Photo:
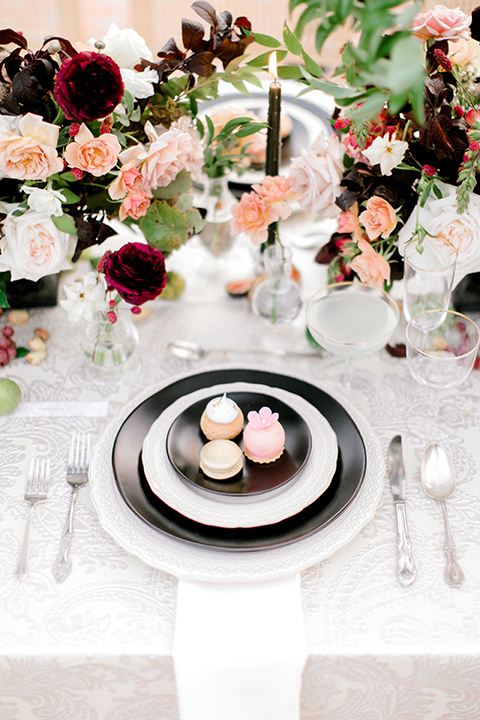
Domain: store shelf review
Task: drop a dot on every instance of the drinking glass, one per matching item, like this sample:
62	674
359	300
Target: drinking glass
441	351
428	279
351	319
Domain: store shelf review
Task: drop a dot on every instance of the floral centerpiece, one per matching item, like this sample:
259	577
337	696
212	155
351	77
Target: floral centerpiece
107	131
410	133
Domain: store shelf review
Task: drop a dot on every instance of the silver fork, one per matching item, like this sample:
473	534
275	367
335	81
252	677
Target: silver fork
36	491
77	475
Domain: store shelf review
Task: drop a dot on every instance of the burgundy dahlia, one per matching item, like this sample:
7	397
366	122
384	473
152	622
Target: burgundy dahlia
88	86
136	272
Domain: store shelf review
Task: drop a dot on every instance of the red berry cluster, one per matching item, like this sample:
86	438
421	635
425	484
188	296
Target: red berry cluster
8	349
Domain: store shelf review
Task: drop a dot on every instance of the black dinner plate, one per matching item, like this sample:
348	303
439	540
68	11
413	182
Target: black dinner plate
185	441
134	488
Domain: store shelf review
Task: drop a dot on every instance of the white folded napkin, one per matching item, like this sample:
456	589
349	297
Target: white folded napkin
239	650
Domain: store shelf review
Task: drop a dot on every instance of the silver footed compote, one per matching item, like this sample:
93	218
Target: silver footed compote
438	480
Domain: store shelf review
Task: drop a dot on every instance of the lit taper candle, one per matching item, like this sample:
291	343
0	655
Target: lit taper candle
272	161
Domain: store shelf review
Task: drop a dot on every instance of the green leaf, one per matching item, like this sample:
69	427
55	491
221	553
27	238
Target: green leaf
261	61
290	72
184	202
292	43
251	129
65	224
267	40
4	278
21	352
70	196
311	65
136	114
196	222
177	187
67	176
337	91
128	100
165	227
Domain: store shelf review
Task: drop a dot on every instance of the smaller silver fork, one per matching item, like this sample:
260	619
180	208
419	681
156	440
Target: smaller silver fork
36	491
77	475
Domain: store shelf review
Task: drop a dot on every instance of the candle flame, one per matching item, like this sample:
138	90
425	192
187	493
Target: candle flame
272	64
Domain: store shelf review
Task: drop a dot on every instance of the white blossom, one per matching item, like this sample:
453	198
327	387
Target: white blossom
386	152
44	200
85	298
139	84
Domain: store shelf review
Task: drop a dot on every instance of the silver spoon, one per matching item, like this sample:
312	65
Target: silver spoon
188	350
438	480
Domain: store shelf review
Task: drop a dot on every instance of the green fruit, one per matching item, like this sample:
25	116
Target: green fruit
10	396
174	287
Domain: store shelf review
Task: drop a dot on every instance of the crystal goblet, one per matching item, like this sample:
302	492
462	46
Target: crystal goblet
351	319
427	279
441	351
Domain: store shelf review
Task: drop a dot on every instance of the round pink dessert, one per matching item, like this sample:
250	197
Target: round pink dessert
263	437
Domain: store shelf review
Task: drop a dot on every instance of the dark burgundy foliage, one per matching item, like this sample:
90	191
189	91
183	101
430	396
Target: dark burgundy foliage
399	350
136	272
227	40
90	232
88	86
475	24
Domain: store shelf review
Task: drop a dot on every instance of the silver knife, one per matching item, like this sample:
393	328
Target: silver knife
396	473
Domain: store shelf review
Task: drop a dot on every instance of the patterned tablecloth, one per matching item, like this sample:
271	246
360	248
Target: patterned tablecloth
99	646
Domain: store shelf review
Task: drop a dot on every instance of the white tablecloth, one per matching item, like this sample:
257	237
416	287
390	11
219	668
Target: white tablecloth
99	646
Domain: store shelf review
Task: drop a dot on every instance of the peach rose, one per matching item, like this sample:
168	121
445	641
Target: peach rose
277	192
135	205
32	155
165	158
95	155
379	219
128	180
370	266
252	216
442	23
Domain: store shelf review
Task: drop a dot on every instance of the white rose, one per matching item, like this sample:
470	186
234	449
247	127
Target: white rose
44	200
32	246
439	217
126	47
317	175
139	84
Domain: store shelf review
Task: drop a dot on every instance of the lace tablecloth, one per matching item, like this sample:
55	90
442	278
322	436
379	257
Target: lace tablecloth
99	646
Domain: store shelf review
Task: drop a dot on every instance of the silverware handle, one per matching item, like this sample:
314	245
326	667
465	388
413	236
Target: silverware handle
406	567
21	569
453	572
62	567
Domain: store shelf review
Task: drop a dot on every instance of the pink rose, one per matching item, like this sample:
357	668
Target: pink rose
135	205
128	180
95	155
379	219
348	221
317	175
276	192
252	216
442	23
165	158
370	266
32	155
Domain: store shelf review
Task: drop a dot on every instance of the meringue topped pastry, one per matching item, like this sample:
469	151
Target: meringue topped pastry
222	419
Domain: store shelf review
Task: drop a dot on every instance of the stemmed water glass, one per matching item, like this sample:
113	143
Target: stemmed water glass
351	319
442	347
427	279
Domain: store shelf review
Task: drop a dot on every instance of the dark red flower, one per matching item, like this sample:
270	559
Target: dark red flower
136	272
88	86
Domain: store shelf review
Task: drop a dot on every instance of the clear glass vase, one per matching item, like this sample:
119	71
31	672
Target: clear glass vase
277	298
217	200
109	344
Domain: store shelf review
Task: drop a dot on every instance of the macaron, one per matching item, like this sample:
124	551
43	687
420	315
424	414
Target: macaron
221	459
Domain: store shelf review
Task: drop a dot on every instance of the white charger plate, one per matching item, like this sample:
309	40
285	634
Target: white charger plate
221	510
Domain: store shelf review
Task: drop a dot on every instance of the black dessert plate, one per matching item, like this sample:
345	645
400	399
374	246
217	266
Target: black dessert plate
185	441
134	488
